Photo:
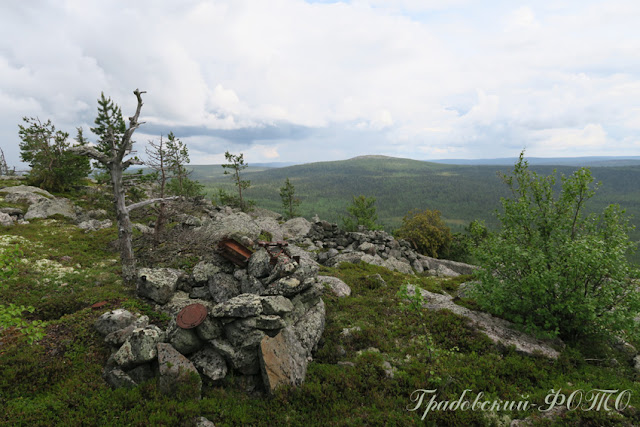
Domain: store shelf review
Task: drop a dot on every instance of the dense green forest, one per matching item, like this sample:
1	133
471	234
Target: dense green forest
462	193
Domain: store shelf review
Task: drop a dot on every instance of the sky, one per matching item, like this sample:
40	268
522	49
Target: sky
304	81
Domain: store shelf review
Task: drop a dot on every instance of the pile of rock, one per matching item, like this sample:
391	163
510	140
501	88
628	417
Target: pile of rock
262	323
334	246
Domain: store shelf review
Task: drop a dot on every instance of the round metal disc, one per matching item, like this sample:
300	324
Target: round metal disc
191	316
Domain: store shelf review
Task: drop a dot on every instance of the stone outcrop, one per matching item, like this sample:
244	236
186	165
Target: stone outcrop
46	208
337	286
498	330
25	194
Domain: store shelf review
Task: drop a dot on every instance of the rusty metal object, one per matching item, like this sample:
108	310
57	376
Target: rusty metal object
276	250
234	252
191	316
99	305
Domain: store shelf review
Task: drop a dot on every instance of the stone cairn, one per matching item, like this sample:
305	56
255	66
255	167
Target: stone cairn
263	320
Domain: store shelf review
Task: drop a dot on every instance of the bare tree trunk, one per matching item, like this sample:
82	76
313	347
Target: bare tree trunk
124	225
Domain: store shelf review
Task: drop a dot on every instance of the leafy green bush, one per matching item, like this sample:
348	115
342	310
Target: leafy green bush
426	231
553	268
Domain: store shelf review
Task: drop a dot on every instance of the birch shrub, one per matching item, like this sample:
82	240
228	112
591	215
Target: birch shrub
552	267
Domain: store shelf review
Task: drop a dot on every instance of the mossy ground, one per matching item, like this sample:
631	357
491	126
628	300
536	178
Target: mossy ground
57	381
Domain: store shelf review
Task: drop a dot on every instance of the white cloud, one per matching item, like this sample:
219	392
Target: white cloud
406	77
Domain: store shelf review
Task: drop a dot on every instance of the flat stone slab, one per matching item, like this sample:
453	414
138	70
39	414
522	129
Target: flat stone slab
498	330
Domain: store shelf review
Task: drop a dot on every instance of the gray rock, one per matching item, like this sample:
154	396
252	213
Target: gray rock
114	320
244	360
337	286
259	264
270	322
376	280
94	224
235	226
368	248
271	226
117	338
97	213
210	363
394	264
158	284
140	347
186	341
141	373
276	305
296	228
117	378
15	212
498	330
251	285
204	271
309	328
48	207
223	287
352	257
244	305
203	422
287	286
200	292
25	194
6	219
283	360
242	333
177	372
144	229
209	329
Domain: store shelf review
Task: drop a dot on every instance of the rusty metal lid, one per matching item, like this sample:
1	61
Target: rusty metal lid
99	305
191	316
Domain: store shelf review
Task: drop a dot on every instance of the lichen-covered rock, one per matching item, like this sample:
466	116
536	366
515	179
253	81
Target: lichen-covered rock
114	320
259	264
242	333
244	360
117	338
223	287
288	286
276	304
209	329
296	228
234	225
117	378
210	363
186	341
25	194
283	360
6	219
140	347
94	224
271	226
158	284
244	305
46	208
270	322
204	271
337	286
309	328
178	376
394	264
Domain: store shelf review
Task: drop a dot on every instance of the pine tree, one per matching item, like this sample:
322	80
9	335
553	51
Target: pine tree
235	166
289	202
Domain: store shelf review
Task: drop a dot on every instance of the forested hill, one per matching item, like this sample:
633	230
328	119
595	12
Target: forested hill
461	192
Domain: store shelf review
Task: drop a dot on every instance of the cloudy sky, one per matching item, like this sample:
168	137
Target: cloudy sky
302	81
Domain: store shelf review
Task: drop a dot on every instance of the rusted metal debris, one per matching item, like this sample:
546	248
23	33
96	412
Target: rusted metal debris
276	250
191	316
234	252
99	305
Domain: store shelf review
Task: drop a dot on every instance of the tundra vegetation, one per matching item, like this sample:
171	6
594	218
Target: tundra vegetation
379	345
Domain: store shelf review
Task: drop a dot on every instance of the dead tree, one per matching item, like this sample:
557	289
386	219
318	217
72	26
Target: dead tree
114	143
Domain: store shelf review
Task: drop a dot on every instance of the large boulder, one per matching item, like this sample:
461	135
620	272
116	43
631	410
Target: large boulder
244	305
5	219
337	286
271	226
204	271
25	194
235	225
46	208
283	360
114	320
259	264
310	327
296	228
178	376
223	286
158	284
94	224
140	347
210	363
500	331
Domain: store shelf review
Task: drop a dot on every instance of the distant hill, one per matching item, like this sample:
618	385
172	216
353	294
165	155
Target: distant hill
559	161
461	192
